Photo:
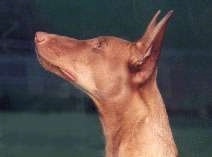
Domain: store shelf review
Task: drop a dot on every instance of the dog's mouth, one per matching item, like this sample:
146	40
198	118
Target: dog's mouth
56	69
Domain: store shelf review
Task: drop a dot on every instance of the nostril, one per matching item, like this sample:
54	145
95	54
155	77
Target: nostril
40	37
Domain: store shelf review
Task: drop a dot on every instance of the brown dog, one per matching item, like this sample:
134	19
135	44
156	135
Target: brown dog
120	76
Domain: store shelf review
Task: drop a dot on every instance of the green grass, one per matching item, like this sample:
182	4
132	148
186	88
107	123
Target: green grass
54	135
193	136
79	135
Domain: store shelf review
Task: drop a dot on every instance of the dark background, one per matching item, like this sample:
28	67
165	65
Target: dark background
27	90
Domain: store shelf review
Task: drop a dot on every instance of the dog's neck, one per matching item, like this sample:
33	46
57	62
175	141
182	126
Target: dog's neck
138	127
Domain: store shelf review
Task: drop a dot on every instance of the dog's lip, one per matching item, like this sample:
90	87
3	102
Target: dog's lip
68	74
65	73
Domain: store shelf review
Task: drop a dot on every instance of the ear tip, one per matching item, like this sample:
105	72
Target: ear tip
158	12
170	13
166	18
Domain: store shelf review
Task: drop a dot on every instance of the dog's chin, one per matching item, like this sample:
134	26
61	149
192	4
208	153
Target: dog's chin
47	65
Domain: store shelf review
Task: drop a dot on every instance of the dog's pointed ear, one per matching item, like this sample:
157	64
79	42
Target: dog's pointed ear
143	62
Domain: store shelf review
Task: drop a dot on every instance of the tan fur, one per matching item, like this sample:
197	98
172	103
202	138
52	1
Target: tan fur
120	76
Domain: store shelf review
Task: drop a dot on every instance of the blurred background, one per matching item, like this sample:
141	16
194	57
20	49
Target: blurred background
42	115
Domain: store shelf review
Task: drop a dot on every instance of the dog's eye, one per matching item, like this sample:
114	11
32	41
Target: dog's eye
101	43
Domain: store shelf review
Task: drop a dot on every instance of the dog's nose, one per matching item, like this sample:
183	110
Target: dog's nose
40	37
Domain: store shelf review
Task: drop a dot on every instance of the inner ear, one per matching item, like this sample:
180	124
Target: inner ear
135	64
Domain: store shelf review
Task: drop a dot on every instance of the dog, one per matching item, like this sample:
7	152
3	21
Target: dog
120	77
